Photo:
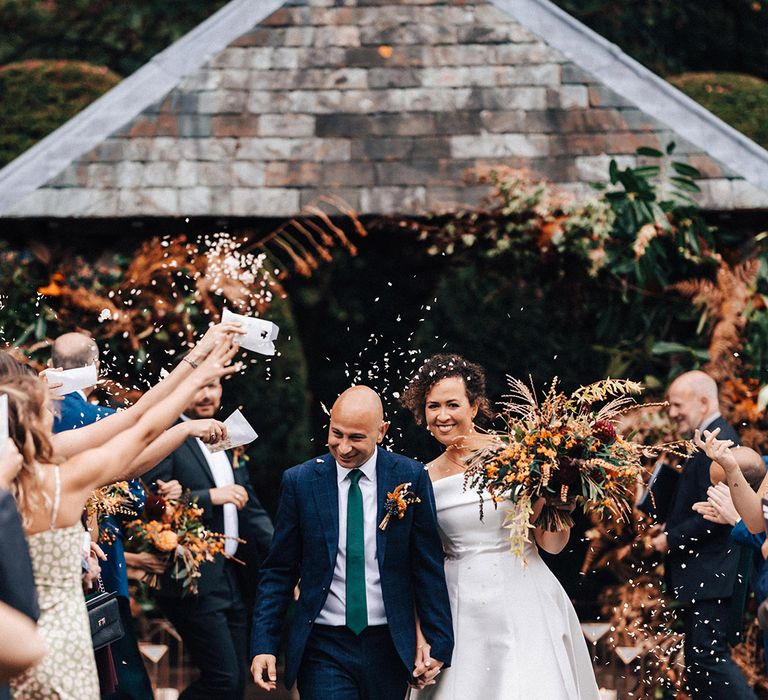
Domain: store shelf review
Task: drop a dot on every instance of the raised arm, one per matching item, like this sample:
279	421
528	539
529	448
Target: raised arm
746	501
71	442
208	430
112	461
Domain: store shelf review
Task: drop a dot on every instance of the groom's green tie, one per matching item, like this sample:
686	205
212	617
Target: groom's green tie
357	611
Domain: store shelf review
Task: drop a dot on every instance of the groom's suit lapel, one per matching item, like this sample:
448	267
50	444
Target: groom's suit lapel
386	480
326	493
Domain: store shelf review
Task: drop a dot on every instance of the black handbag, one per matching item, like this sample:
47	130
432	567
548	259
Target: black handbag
104	618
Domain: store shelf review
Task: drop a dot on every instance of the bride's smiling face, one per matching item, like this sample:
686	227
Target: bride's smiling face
449	414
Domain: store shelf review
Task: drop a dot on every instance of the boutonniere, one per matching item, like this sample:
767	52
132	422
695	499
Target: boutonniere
397	503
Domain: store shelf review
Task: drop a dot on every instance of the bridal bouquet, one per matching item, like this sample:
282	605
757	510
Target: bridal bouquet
174	530
566	450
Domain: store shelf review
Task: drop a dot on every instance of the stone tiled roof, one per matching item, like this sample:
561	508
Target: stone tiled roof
386	103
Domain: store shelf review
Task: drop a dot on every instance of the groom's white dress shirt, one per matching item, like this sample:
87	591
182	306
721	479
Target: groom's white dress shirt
334	610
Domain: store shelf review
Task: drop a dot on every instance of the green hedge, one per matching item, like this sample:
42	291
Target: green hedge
738	99
39	96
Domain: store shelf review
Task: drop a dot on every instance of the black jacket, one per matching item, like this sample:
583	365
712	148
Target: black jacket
17	582
702	561
189	466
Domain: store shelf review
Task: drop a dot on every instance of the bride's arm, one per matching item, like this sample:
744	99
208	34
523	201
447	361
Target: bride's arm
551	542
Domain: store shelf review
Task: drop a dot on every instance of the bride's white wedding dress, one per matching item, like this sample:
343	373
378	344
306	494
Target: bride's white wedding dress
517	634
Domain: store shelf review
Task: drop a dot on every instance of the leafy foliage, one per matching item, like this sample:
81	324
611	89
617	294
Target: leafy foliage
738	99
122	36
673	37
41	95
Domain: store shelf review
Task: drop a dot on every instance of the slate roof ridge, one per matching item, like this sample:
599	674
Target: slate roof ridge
658	98
604	61
129	98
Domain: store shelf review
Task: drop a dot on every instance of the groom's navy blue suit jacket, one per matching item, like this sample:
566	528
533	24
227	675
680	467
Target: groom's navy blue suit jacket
304	547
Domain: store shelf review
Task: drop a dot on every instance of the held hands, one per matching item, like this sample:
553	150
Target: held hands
425	668
260	664
718	508
232	493
208	430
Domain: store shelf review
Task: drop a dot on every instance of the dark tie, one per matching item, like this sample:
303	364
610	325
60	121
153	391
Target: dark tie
357	611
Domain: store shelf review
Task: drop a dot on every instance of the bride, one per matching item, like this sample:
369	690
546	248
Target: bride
517	636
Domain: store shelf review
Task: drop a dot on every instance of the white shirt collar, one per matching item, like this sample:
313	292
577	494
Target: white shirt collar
709	420
82	395
368	468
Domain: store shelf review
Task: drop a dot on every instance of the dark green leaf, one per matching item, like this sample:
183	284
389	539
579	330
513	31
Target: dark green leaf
651	152
647	171
685	184
685	169
613	172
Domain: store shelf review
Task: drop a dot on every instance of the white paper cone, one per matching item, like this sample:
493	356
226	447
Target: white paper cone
239	432
259	333
72	379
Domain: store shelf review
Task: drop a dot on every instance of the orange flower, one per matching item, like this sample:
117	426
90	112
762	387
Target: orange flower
167	541
54	287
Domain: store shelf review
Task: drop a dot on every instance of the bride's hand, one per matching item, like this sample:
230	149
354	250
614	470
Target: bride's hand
425	668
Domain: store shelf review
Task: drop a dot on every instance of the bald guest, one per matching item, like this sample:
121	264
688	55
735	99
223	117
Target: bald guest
363	580
701	562
72	351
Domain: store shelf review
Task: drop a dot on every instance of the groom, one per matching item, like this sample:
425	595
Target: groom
353	632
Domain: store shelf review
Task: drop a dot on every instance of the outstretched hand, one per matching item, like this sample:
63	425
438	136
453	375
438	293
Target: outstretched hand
213	336
207	430
218	363
261	664
717	450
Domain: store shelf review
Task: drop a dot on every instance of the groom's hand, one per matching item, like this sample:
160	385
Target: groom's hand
268	663
426	675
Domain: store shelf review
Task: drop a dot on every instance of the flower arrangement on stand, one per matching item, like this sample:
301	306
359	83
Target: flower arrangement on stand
565	450
174	530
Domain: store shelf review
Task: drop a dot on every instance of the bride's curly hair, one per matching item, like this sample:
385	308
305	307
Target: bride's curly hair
27	402
442	366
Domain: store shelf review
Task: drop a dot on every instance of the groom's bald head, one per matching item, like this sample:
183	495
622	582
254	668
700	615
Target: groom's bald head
357	425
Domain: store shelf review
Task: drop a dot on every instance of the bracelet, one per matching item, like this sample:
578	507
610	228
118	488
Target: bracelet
191	362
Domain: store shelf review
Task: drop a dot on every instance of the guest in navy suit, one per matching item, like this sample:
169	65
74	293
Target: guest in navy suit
70	351
353	633
701	562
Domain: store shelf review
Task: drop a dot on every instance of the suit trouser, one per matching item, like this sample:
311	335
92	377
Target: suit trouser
132	679
341	665
712	673
214	628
